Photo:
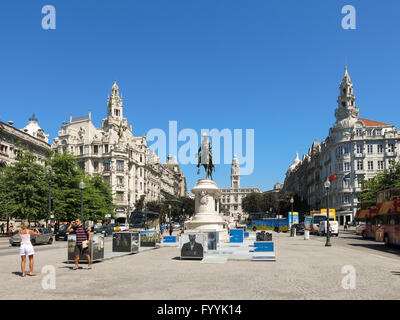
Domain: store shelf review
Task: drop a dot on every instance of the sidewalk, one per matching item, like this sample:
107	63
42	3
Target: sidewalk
304	269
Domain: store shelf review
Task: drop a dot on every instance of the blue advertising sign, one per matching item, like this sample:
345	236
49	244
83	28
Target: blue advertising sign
236	235
170	239
263	246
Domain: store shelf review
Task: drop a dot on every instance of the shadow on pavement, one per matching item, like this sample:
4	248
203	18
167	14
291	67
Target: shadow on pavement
396	273
377	246
17	273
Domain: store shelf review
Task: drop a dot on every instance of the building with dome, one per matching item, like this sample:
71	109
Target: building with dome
31	138
231	198
356	149
124	160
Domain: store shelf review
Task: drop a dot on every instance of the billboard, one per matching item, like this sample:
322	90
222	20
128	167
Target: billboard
192	245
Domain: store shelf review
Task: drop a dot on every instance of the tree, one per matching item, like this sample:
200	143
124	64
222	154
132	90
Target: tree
252	202
383	180
139	204
24	188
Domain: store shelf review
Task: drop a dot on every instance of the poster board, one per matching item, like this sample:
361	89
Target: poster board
192	245
95	250
236	236
148	238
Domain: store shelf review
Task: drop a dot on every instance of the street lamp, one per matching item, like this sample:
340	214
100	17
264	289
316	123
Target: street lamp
49	172
291	214
169	217
327	185
183	214
82	187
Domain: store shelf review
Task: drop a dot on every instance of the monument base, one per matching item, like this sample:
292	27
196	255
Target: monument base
206	210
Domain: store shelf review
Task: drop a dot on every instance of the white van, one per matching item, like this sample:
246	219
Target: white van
333	226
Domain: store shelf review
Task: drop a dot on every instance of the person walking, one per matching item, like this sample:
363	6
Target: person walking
346	226
171	228
83	238
26	247
10	230
2	228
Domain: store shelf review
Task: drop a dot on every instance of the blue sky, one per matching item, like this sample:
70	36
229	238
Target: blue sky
271	66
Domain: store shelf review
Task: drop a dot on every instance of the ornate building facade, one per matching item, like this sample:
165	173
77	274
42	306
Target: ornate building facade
355	150
231	198
32	138
124	161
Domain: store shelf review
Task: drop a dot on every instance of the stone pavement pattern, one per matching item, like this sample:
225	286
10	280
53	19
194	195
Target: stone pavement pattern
303	270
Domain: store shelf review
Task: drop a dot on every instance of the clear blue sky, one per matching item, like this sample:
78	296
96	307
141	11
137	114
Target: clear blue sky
271	66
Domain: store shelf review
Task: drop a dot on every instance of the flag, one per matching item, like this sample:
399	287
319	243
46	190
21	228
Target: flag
332	177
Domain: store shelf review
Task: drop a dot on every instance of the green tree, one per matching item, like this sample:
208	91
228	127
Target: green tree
252	202
139	204
383	180
24	188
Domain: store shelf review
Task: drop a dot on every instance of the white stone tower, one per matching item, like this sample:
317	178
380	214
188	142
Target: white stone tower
346	113
114	103
235	173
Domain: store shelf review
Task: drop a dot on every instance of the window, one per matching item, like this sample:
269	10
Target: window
95	149
359	148
370	165
380	148
120	181
346	198
80	149
346	149
390	147
369	148
141	158
339	151
378	132
358	132
120	165
106	165
106	148
340	167
107	179
81	165
369	132
360	165
347	166
380	165
120	196
346	183
95	165
141	172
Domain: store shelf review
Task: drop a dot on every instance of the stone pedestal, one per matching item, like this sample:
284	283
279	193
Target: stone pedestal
206	215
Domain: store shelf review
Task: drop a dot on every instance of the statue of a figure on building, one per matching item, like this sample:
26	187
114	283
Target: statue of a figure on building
205	157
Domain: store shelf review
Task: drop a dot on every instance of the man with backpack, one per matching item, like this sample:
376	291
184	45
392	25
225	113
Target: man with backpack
83	237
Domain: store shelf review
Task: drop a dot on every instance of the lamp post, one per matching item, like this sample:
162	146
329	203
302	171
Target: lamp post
49	172
82	187
327	185
169	217
291	218
183	214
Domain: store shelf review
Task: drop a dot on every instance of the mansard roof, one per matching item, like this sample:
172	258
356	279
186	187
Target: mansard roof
372	123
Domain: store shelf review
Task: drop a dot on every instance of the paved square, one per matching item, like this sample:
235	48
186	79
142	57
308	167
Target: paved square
304	269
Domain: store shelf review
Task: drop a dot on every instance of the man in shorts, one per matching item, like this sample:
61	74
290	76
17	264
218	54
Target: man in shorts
83	237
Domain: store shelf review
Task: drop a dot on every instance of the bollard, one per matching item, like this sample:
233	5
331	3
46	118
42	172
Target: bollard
294	232
306	234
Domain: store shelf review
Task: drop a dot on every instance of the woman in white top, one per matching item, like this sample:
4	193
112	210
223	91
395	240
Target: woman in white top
26	248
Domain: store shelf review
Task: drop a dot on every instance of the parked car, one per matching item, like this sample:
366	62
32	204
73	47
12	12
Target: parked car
44	237
106	229
62	233
299	228
123	226
176	225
